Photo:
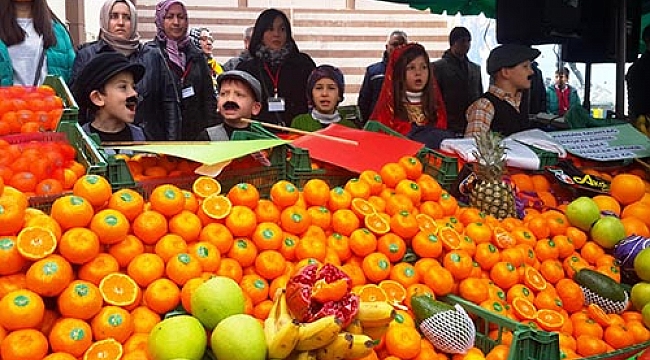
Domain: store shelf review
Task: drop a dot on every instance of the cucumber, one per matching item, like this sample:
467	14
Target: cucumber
602	290
425	306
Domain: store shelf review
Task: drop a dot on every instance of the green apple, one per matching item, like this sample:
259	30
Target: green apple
239	336
607	231
583	212
178	337
640	295
642	264
216	299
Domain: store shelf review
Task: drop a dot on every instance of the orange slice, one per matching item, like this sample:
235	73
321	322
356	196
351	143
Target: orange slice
216	206
395	292
450	238
426	223
372	292
119	289
205	186
534	279
549	320
523	308
377	223
502	238
35	243
599	315
362	207
107	349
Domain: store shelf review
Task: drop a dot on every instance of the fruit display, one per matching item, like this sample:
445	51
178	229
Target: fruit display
360	271
25	109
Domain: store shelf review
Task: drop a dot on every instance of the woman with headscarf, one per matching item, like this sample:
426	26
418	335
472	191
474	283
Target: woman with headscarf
158	111
188	68
280	67
33	43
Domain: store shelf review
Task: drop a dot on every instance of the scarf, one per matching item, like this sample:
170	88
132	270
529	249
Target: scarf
118	43
326	119
414	97
174	48
274	57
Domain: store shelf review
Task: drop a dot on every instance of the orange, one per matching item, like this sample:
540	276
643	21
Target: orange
534	279
295	219
362	242
72	211
283	193
398	202
270	264
12	261
244	194
523	308
373	179
218	235
487	255
128	202
186	224
150	226
59	356
243	251
95	270
410	189
316	192
79	245
108	349
404	224
358	188
71	335
430	188
473	289
426	244
540	182
230	268
552	270
627	188
459	263
504	274
321	216
635	226
523	182
618	336
362	207
167	199
288	246
35	243
49	276
21	309
112	322
94	188
607	203
110	225
638	210
206	254
216	206
405	274
310	247
80	299
591	252
587	346
241	221
256	287
403	342
205	186
376	266
182	267
125	250
546	249
169	246
441	281
145	268
548	299
377	223
451	240
339	199
24	344
395	292
162	295
119	289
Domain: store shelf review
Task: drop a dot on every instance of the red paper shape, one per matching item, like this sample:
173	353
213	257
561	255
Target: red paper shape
372	152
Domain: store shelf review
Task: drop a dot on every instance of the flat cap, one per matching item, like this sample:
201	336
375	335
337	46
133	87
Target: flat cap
249	79
509	55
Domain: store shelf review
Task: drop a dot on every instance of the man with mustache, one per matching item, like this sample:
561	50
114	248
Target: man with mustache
498	109
240	96
106	90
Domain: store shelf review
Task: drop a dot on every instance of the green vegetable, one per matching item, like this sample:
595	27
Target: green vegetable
425	306
600	284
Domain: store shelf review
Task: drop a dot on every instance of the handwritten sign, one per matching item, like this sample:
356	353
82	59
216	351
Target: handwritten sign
607	143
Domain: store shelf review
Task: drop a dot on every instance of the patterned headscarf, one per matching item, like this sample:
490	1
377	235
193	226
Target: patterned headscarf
119	44
174	47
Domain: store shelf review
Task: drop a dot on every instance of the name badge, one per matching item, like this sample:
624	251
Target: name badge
276	104
187	92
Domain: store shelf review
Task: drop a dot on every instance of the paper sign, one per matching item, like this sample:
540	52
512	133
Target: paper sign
208	153
372	151
607	143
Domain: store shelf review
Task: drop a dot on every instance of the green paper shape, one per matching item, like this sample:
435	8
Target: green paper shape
208	153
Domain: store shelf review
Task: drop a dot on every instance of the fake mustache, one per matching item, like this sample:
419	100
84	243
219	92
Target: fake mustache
231	105
132	101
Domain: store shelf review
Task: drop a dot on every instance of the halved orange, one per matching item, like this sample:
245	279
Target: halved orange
372	292
376	223
107	349
119	289
534	279
216	206
450	238
523	308
395	292
35	243
502	238
362	207
205	186
549	320
599	315
426	223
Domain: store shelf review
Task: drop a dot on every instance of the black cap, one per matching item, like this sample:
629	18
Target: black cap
249	79
509	55
99	71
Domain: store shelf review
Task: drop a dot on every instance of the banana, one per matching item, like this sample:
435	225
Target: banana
285	338
375	313
355	327
270	324
337	349
361	346
302	355
319	333
375	333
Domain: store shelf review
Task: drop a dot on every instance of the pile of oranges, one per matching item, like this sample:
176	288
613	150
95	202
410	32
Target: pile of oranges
106	266
29	109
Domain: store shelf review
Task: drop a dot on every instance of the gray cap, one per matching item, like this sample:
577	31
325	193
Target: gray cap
509	55
249	79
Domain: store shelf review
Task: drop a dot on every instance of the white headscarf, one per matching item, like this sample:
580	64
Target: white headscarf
126	47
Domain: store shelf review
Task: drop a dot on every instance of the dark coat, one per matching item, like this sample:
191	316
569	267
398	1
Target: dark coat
199	111
638	86
158	112
460	84
371	87
292	86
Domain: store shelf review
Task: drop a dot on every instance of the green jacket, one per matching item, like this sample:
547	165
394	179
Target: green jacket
306	122
60	57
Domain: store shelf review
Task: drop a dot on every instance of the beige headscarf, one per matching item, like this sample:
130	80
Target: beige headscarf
126	47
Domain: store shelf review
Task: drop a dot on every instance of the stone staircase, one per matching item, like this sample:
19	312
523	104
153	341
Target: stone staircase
329	31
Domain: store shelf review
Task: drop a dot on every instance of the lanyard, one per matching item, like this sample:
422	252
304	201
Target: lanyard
187	71
275	78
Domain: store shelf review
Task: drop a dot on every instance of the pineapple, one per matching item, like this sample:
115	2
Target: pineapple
490	193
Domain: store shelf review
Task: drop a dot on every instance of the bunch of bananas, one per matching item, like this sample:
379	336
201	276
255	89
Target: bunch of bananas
642	124
324	339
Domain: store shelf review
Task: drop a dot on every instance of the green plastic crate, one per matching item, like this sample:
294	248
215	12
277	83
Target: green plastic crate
71	110
299	170
622	354
527	343
441	167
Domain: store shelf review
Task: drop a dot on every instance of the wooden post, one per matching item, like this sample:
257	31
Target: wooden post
75	15
350	4
242	4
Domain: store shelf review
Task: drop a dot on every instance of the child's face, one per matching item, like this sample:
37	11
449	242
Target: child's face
417	74
119	22
116	102
326	95
520	75
236	101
